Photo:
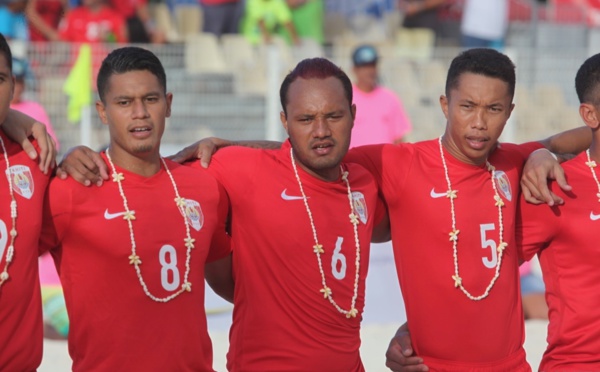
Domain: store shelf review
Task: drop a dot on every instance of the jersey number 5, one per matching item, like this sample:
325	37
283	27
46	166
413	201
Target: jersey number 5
488	243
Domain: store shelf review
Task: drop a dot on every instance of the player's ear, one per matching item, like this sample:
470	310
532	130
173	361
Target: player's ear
169	98
589	114
283	118
101	109
444	105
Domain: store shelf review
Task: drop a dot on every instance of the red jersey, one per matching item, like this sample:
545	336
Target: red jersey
566	239
80	25
114	325
20	302
411	176
281	320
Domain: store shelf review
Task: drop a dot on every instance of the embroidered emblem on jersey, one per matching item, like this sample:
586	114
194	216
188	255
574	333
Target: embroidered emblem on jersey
193	213
594	217
360	206
22	180
503	184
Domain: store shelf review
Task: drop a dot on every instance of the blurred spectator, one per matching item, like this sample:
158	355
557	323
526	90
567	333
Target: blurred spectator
533	293
93	22
484	23
44	17
307	16
31	108
421	13
140	27
222	16
380	116
265	18
13	23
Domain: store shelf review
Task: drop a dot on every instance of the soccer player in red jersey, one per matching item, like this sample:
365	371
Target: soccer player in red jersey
301	231
131	255
302	222
22	188
457	196
475	294
93	22
565	239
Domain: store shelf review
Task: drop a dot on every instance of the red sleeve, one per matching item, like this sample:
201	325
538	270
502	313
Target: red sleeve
234	167
221	243
525	149
370	157
535	228
56	214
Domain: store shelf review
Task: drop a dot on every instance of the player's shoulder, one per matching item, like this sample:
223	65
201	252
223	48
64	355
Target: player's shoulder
193	171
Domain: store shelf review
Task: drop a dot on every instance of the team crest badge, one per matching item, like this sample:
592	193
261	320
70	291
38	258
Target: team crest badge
193	213
22	180
360	206
503	184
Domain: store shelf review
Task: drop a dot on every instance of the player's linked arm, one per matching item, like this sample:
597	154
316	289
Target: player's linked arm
542	165
19	127
205	148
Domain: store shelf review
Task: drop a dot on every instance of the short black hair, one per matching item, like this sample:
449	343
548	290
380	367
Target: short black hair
587	80
482	61
127	59
5	51
314	68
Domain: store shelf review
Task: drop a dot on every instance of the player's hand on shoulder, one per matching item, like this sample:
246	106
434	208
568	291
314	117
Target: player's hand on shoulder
84	165
540	167
400	356
203	150
19	131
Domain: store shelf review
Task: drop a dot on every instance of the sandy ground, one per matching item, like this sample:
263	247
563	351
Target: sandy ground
384	312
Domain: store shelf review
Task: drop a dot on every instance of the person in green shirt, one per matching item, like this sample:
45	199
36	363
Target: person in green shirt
265	18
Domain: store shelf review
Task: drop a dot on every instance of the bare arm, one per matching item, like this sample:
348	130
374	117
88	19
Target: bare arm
400	356
541	166
205	148
34	18
292	30
569	142
19	127
219	277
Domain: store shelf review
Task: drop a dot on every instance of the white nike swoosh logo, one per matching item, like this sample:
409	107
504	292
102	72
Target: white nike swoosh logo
434	194
285	196
594	217
110	216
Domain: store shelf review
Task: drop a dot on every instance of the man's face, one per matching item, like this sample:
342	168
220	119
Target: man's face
7	88
319	122
135	110
476	112
366	76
